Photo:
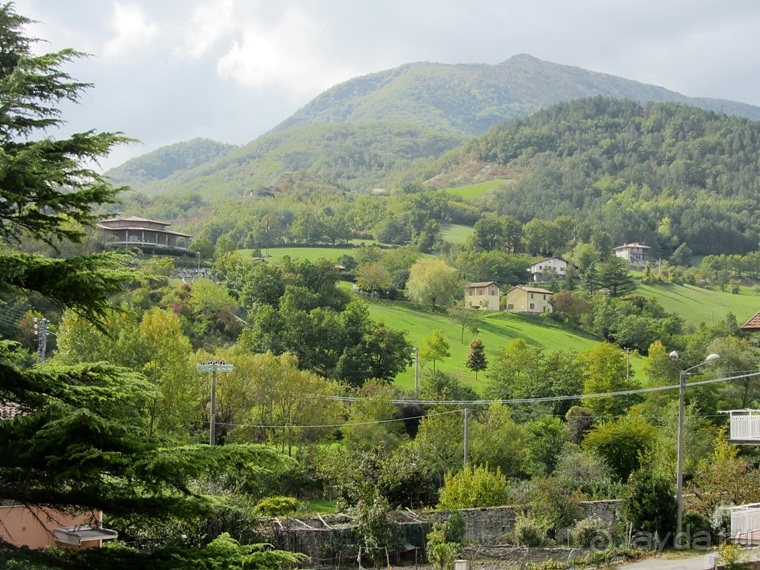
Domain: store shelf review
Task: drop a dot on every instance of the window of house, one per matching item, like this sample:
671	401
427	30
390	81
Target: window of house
532	306
510	306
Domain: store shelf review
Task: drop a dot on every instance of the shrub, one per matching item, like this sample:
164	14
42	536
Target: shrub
441	553
649	503
454	528
528	531
474	487
277	506
591	533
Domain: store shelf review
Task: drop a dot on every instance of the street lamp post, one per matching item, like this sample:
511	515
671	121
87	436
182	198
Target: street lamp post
682	375
213	366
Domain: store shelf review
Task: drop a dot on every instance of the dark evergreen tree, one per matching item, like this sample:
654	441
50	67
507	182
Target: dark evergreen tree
79	437
615	277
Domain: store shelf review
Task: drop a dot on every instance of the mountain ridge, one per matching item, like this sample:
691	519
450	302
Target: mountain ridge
449	102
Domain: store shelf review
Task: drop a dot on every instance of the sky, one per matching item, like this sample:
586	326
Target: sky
166	71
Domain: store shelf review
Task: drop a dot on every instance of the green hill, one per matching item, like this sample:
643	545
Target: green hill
696	305
356	157
165	161
661	174
471	98
372	130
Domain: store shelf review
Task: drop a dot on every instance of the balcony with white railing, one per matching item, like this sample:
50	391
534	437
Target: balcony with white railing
745	523
745	426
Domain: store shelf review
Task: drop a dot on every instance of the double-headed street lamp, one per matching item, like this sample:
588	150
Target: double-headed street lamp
213	366
682	375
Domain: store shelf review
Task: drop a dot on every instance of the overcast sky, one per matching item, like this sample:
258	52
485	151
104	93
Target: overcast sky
170	70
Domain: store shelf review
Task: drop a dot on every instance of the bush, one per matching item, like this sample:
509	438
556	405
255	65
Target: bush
454	528
441	553
649	503
528	531
474	487
591	533
277	506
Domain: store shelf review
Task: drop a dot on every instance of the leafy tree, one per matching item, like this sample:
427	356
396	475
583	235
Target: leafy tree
682	256
476	357
432	282
622	443
498	441
373	277
465	318
605	370
488	234
517	372
434	347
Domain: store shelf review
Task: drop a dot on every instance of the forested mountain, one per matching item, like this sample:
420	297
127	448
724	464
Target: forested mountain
368	131
358	157
471	98
653	173
165	161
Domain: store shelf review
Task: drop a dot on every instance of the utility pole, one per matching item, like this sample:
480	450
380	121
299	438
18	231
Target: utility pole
466	436
213	366
416	372
40	329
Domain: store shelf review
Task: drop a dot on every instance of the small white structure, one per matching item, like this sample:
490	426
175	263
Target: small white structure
745	426
542	270
745	522
484	295
637	254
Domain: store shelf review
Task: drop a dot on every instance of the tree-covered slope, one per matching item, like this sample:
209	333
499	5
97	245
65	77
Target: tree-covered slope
358	157
660	173
167	160
471	98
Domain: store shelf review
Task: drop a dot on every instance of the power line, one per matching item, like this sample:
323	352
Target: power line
542	399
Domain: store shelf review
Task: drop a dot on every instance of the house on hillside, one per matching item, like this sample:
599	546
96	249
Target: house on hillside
143	233
745	519
484	295
529	300
637	254
544	269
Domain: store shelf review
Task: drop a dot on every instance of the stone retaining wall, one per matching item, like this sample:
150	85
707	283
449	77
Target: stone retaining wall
332	539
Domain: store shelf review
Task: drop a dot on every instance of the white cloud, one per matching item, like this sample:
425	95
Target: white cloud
209	23
134	32
285	53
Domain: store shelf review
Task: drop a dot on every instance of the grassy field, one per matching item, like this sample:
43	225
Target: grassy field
454	233
310	253
498	329
698	305
474	191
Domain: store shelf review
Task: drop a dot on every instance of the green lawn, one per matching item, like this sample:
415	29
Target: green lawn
454	233
497	330
697	305
474	191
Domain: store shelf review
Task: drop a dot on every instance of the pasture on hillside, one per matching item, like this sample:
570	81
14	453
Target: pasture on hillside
497	330
474	191
696	305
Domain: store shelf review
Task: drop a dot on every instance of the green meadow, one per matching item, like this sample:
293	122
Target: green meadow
474	191
454	233
696	305
496	330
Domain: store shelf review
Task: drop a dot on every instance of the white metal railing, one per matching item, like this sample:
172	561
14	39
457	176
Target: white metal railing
745	519
745	425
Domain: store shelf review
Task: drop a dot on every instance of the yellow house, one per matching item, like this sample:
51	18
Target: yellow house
484	295
531	300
